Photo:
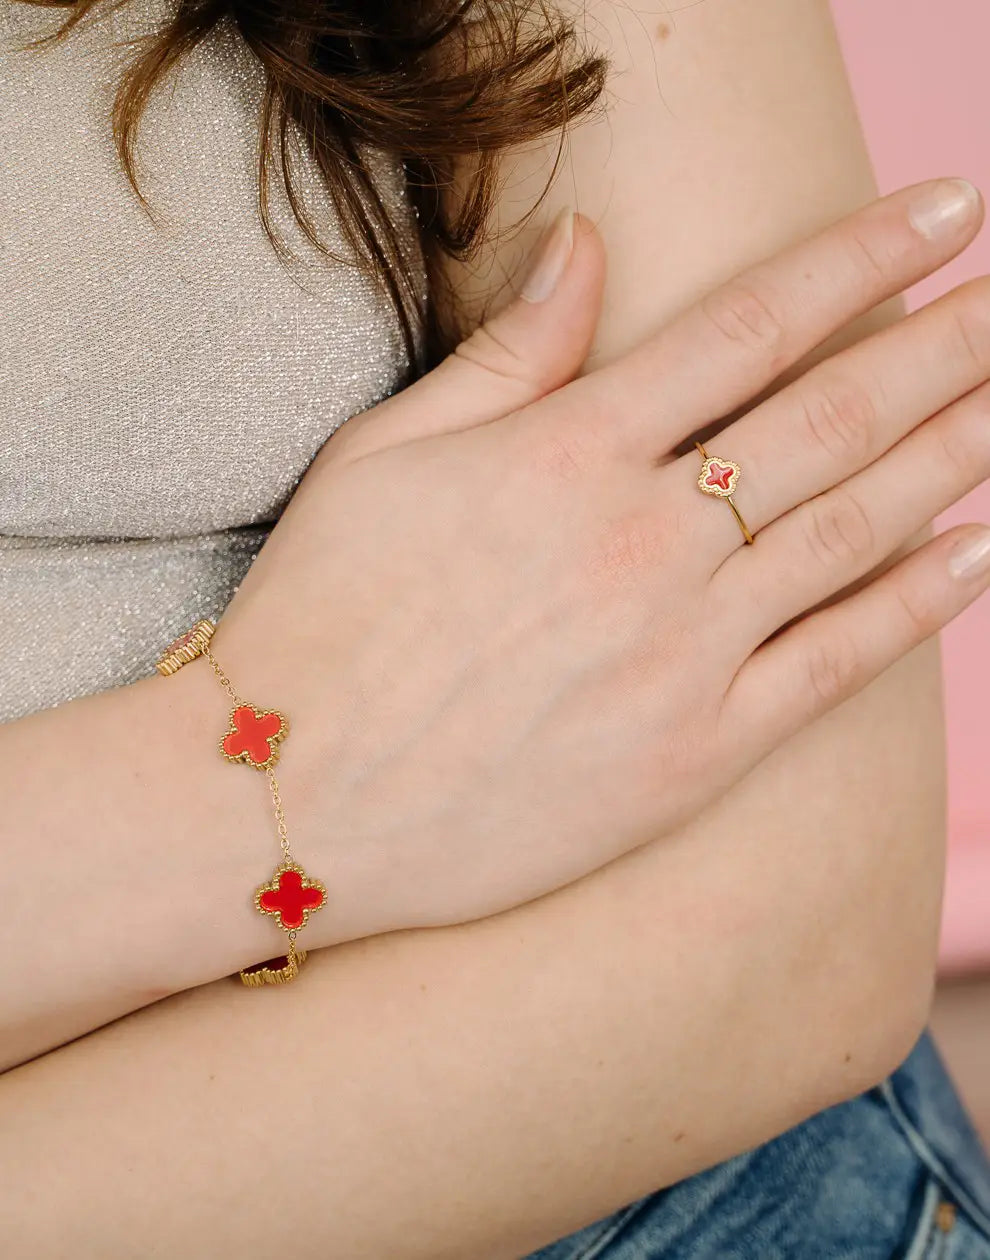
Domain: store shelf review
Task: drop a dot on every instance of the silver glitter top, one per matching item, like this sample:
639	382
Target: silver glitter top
163	385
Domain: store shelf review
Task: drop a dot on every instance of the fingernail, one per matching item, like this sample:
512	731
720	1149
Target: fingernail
971	559
550	258
944	208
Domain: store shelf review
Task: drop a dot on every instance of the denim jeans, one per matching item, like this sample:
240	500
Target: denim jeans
896	1174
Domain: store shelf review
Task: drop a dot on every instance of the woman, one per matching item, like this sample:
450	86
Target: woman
701	995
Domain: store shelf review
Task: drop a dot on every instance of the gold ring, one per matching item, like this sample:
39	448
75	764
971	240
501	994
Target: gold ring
720	478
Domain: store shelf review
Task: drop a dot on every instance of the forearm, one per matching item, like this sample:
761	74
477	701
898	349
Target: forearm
471	1091
131	852
510	1080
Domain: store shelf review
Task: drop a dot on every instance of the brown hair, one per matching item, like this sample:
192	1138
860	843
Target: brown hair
444	93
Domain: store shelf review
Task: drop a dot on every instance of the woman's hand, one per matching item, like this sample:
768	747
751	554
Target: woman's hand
513	638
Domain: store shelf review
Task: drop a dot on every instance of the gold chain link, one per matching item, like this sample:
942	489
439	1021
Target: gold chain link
283	838
224	680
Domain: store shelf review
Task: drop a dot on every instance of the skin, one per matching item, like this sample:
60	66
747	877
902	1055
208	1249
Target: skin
688	720
673	937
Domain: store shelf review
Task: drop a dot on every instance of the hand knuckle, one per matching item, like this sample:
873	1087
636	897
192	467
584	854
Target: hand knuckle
744	311
840	418
626	546
833	669
970	336
962	435
840	531
560	455
961	449
872	262
918	608
485	349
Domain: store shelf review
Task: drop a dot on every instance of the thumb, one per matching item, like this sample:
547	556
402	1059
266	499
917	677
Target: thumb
531	347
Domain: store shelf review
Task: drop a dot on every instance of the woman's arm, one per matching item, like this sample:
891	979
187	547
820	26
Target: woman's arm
477	1091
119	840
463	1092
729	131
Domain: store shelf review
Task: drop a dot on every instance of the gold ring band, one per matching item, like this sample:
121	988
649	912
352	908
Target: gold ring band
719	477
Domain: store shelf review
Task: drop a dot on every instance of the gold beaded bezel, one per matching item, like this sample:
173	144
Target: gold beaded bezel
273	740
272	886
717	491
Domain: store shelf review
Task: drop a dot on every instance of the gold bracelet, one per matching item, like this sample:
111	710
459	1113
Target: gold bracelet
253	737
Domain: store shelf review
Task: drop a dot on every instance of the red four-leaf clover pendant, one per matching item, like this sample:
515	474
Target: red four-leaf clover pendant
254	736
291	896
719	477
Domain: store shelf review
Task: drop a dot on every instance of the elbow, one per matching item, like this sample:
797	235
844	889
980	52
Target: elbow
883	1010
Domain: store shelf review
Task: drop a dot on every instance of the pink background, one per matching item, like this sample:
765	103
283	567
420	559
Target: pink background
919	71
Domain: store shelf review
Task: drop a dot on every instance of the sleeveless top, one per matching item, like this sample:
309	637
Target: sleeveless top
164	383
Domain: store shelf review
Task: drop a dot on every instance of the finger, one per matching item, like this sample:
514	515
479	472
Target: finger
826	544
739	338
832	654
534	345
844	413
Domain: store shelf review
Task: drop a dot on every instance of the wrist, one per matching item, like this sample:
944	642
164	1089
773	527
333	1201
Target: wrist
331	832
220	845
266	804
